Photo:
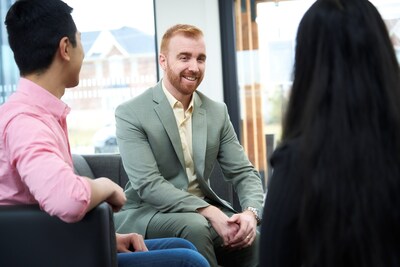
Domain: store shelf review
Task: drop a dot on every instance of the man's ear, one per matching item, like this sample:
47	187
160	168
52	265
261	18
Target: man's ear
162	61
64	48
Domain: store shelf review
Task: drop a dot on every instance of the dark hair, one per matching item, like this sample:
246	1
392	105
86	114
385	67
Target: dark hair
35	28
344	110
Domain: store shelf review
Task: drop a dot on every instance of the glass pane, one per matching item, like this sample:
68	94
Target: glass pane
390	11
9	73
118	37
120	62
266	32
277	25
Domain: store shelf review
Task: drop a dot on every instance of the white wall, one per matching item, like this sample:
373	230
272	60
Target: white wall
203	14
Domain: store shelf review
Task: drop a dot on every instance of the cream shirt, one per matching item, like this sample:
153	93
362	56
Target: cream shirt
184	123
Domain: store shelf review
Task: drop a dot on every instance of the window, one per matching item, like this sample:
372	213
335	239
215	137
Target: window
266	32
118	37
277	24
120	63
9	73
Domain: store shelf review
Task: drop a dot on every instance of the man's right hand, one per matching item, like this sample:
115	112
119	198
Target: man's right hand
104	189
117	198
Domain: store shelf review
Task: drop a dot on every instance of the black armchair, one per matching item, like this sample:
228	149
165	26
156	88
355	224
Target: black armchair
31	237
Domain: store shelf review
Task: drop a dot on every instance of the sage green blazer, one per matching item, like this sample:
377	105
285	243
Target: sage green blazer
152	155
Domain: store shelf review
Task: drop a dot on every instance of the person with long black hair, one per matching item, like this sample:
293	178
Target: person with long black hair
334	196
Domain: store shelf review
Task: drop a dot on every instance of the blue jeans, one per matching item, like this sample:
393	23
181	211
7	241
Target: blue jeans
165	252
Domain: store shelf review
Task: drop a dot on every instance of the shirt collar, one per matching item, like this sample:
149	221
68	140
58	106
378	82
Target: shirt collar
43	98
173	101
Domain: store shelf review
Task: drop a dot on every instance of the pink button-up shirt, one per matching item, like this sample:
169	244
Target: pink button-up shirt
35	158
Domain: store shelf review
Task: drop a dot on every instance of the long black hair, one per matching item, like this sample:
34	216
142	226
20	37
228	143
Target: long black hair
345	110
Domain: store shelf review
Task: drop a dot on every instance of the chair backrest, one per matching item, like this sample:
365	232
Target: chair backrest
111	166
81	167
31	237
101	165
223	189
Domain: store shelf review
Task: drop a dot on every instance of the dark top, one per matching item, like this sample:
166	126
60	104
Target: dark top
281	245
280	241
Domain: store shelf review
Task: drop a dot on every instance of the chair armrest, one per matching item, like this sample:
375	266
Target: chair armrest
31	237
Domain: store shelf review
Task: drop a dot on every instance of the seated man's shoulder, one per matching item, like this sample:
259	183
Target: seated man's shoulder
137	102
12	110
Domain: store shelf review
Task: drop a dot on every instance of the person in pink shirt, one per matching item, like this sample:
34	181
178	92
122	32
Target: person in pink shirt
35	158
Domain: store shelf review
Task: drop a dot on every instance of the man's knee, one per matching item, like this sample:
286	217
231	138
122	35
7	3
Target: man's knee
195	224
183	243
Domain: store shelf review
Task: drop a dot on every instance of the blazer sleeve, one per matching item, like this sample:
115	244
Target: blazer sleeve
147	182
238	169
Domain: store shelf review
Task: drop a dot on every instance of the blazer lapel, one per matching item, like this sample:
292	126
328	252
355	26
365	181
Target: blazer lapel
199	135
167	118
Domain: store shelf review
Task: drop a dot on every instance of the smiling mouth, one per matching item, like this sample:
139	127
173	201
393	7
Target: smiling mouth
192	79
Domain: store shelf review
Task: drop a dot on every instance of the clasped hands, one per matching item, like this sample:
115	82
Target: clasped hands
244	226
237	232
